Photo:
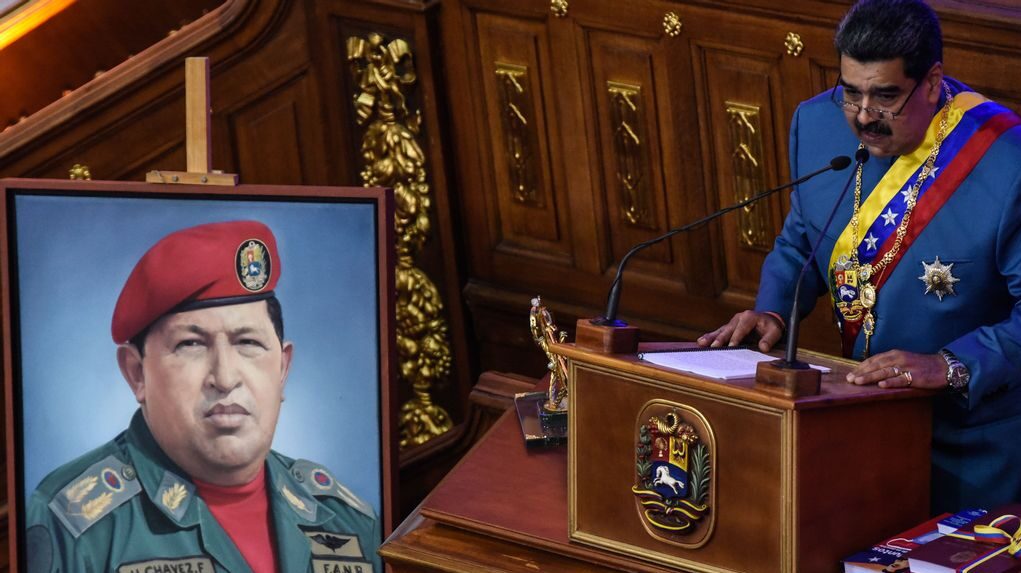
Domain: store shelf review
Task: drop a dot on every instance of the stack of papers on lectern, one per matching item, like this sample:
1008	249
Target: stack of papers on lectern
722	363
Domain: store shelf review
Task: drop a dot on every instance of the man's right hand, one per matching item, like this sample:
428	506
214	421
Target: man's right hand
766	326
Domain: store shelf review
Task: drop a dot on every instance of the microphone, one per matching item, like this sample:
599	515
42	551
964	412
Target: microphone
613	300
791	356
786	375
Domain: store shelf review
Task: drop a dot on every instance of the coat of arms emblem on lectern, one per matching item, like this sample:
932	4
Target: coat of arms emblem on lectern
674	453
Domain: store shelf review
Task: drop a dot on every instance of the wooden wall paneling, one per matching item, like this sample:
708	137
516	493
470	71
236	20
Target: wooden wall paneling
463	96
626	88
70	124
50	60
983	68
122	146
737	105
638	96
277	118
515	66
753	73
267	126
334	24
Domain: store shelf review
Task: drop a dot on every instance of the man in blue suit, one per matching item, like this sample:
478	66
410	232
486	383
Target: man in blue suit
925	275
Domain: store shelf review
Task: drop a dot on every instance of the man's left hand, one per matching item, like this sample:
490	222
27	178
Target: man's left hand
899	369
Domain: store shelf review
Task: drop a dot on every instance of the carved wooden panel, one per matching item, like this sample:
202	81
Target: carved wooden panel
625	87
274	117
124	148
983	69
737	104
645	161
514	62
755	72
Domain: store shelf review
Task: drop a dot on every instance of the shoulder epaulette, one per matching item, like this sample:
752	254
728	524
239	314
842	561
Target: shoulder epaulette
96	492
321	483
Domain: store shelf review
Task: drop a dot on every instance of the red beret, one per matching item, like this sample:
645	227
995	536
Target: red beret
208	265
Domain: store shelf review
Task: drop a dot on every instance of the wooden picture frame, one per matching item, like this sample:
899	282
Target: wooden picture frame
66	248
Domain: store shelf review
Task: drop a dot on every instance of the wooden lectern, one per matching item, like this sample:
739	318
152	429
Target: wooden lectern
796	484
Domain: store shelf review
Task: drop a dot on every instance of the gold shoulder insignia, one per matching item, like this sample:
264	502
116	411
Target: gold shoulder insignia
95	506
173	496
293	499
77	491
74	507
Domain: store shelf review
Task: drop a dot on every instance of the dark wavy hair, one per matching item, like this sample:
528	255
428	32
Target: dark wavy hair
878	30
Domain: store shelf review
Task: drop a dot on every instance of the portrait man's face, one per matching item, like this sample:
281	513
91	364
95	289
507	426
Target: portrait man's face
884	85
210	383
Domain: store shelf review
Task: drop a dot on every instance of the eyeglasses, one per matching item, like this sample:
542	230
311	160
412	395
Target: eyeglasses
856	108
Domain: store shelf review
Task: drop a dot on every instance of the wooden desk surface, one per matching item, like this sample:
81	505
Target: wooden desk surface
503	508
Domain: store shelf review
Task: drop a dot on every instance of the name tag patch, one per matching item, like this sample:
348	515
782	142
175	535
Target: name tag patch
340	566
197	564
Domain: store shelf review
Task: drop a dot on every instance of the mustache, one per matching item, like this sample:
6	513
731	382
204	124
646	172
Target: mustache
876	127
222	408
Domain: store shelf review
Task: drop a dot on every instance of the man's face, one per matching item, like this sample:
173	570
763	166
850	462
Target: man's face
883	85
210	385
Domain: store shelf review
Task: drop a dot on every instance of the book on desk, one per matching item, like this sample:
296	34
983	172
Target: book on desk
982	547
889	555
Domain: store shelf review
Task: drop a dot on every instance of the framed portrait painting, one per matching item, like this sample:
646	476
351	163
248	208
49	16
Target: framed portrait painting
68	249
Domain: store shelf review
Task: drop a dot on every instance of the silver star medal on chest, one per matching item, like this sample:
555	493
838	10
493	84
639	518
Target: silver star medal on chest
938	278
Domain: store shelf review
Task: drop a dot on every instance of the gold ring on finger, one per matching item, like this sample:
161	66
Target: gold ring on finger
907	376
896	371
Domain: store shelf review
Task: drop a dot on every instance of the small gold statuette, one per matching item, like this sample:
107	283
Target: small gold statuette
938	278
545	333
543	415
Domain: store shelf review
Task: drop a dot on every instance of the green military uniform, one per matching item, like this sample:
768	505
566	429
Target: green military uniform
126	508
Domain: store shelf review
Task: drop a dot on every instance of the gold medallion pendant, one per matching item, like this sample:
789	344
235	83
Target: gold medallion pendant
938	278
868	295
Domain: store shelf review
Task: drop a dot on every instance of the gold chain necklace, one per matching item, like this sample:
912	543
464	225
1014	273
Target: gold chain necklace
865	272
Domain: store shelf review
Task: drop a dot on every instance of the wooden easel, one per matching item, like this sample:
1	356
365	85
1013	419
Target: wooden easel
198	139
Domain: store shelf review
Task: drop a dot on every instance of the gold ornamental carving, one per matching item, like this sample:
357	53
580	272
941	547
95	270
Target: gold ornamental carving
80	172
672	24
793	44
558	8
630	153
519	139
744	122
392	157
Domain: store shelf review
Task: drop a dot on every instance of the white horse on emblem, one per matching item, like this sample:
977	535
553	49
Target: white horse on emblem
663	477
846	292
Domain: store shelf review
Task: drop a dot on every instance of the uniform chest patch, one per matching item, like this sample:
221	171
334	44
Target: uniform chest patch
196	564
328	544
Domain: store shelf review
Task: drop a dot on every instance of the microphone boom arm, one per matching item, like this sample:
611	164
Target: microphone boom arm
613	299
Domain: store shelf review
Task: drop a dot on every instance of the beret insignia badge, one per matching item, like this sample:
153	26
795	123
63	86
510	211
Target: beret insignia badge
253	265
